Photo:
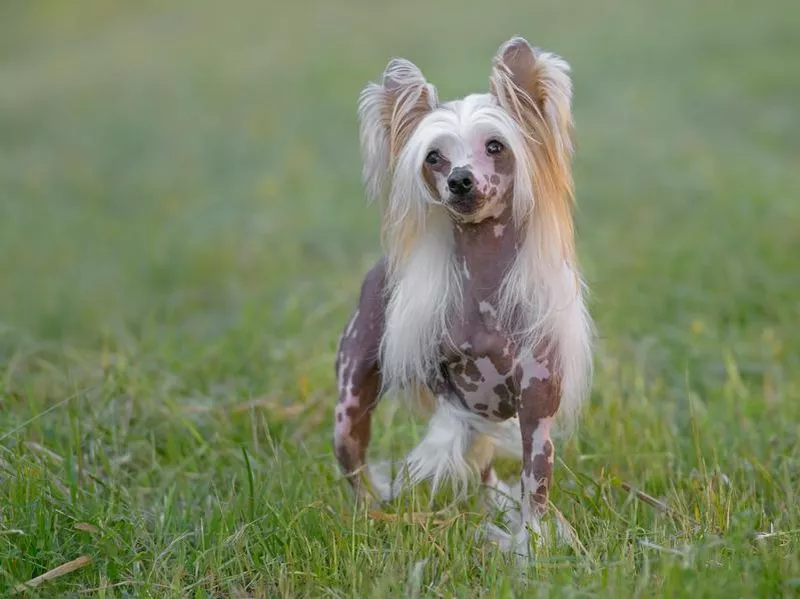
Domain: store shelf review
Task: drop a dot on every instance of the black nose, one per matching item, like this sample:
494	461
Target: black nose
460	181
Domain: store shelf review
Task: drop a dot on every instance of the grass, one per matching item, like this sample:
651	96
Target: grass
183	235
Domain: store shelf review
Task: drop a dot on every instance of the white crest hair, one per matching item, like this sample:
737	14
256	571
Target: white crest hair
541	300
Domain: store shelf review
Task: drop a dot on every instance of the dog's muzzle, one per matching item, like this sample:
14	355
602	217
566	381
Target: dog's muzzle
461	184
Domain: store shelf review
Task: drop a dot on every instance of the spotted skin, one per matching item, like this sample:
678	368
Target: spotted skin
359	377
538	406
493	175
479	359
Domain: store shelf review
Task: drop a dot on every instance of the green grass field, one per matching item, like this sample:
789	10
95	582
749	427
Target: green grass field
183	235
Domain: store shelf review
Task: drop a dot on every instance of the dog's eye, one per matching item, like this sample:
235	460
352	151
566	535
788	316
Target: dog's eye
494	147
433	158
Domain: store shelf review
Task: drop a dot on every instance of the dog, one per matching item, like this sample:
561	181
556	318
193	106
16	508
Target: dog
476	312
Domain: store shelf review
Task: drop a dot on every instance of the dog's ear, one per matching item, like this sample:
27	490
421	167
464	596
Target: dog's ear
389	112
535	88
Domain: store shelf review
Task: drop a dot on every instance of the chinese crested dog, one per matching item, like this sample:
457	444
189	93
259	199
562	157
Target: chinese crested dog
476	312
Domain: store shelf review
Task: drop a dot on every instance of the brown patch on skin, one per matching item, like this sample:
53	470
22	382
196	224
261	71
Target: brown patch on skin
503	393
482	407
429	175
542	471
463	384
502	362
542	462
503	164
359	425
505	410
457	372
471	370
538	500
547	448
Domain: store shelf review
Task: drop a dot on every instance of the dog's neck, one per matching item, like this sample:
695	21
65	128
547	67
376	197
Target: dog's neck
485	252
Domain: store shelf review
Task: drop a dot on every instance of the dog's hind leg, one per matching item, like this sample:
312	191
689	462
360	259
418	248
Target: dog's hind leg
359	380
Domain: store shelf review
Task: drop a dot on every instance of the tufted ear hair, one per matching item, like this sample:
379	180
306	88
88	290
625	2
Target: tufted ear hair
389	112
535	88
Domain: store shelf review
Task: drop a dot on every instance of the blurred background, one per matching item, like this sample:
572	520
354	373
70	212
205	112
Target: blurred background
181	206
196	163
190	160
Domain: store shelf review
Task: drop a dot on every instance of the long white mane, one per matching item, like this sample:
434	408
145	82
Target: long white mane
541	301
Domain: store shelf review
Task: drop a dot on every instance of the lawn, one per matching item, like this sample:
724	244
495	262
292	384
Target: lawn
183	234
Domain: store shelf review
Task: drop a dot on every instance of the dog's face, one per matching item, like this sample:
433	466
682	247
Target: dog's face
468	165
473	157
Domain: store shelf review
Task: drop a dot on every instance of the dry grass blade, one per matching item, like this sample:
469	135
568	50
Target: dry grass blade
416	518
571	533
86	527
6	466
57	459
270	403
657	504
311	422
41	450
54	573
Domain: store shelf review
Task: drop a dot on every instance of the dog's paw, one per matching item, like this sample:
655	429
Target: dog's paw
502	499
517	542
525	541
381	486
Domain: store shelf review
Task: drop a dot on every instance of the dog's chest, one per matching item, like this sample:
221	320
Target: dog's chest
481	365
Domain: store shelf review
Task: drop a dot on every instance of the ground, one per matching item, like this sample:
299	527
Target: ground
183	234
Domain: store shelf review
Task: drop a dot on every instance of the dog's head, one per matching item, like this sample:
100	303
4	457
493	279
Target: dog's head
474	157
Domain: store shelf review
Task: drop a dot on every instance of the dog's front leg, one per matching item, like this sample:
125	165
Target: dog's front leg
357	400
359	378
537	467
539	399
540	396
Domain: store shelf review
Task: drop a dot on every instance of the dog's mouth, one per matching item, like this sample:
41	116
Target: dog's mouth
463	204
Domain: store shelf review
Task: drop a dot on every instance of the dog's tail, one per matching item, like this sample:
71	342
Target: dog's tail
457	446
